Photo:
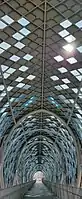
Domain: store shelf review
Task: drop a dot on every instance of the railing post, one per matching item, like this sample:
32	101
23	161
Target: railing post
1	168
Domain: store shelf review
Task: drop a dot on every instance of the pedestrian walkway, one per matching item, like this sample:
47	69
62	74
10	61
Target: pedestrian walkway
39	191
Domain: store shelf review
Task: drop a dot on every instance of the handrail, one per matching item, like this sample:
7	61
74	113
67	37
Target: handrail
16	191
68	191
63	191
65	185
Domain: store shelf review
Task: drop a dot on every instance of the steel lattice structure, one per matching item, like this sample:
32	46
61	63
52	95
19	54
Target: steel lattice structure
41	88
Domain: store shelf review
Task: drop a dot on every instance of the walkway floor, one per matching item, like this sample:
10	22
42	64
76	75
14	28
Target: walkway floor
39	191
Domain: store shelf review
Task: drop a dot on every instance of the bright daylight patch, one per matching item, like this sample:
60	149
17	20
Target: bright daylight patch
38	177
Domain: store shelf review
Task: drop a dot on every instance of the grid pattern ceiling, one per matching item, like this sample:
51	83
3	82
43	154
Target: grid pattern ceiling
40	56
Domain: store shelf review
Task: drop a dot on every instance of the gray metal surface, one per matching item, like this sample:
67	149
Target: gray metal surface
15	192
39	191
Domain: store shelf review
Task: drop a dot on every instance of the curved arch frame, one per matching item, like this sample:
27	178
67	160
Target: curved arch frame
77	146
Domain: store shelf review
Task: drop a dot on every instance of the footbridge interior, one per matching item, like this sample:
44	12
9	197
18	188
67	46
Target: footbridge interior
40	96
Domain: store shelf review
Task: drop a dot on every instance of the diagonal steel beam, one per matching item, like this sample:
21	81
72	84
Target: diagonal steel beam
13	117
71	113
43	53
43	66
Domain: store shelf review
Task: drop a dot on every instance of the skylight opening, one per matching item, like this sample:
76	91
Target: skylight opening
79	24
62	97
79	49
7	19
1	98
6	75
31	77
11	70
53	101
18	36
78	115
54	78
20	85
71	100
14	58
28	57
67	101
59	58
25	31
64	86
4	68
68	48
9	88
66	81
23	21
1	87
75	90
63	33
5	45
6	105
70	38
72	60
30	116
75	73
80	70
1	51
26	87
19	79
58	88
79	77
2	110
80	96
12	99
66	24
2	25
62	70
23	68
80	111
19	45
3	94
